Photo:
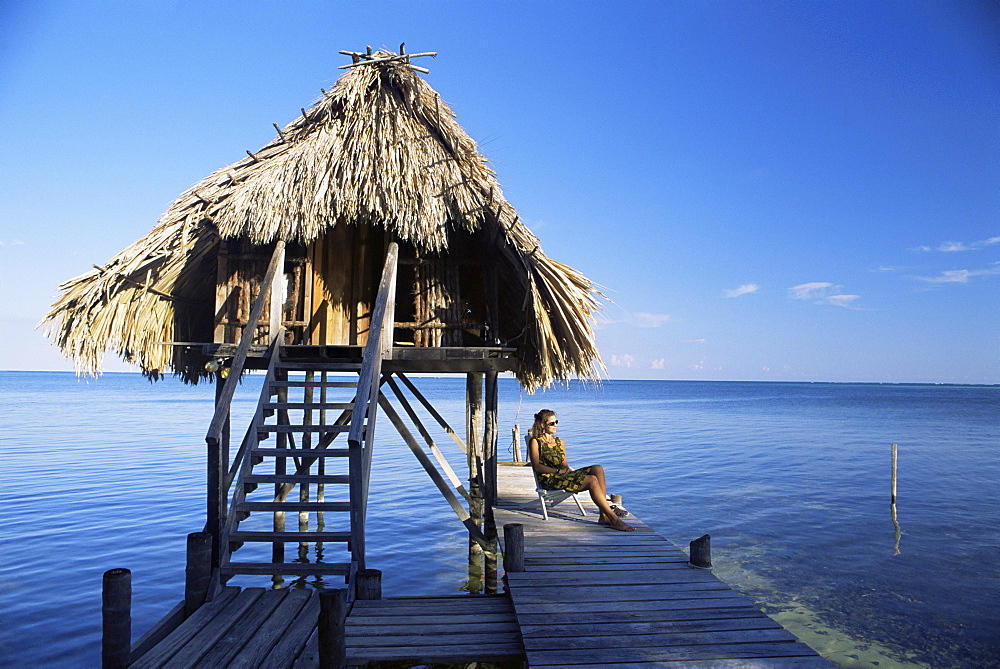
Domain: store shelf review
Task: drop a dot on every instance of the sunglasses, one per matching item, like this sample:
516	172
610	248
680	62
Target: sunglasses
554	422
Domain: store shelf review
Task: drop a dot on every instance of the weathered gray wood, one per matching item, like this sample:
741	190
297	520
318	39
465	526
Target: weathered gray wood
297	478
442	654
718	663
213	630
289	537
297	452
425	462
629	639
701	552
291	643
116	618
601	657
303	428
513	558
418	626
287	568
590	596
542	623
368	584
332	643
295	506
186	631
197	571
271	631
240	633
435	451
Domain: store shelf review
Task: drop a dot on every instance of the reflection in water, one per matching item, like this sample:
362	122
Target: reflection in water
899	533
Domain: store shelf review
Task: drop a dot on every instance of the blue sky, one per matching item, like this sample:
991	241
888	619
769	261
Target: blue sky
763	190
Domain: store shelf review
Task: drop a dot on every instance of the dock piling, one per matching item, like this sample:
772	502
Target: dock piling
332	615
895	453
198	571
368	584
513	541
116	618
701	552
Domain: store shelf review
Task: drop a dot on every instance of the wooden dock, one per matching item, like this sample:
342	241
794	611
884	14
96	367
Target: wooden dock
277	629
594	597
588	597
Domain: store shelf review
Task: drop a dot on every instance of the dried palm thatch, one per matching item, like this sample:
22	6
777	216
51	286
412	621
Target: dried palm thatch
379	149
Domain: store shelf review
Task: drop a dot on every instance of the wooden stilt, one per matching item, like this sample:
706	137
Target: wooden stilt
489	476
474	426
116	618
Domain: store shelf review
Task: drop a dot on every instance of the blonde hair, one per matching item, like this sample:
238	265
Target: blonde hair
541	418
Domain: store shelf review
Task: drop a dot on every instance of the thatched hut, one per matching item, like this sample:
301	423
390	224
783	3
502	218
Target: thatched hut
378	158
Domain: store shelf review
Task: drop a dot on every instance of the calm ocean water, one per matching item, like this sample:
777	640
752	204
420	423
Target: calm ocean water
791	480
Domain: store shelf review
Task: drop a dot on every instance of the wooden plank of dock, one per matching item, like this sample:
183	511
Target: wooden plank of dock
594	597
434	630
255	627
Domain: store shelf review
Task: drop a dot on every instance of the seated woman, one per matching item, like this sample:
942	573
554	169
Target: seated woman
547	454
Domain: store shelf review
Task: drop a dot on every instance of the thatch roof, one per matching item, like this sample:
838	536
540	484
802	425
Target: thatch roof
381	148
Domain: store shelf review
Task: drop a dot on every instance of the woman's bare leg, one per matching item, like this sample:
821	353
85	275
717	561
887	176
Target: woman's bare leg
599	494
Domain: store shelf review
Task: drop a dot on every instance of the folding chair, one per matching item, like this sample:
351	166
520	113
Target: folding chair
553	497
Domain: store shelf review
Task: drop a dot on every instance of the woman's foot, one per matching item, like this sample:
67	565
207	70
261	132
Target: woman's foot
615	523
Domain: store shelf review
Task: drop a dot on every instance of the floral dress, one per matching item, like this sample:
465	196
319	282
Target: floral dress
553	455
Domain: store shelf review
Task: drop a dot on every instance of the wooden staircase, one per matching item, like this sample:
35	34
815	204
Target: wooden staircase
294	485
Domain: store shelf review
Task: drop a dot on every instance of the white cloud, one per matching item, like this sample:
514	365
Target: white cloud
622	360
658	364
960	275
645	320
745	289
842	300
13	243
821	292
695	341
955	247
810	291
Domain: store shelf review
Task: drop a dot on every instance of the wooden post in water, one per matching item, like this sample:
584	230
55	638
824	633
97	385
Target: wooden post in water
701	552
473	435
332	615
490	439
513	540
895	448
368	584
515	445
116	618
218	467
198	571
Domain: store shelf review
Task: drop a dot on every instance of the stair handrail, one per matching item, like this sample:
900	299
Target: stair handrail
267	287
362	433
218	471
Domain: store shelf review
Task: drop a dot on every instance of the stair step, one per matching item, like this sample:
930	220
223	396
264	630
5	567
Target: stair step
297	478
287	568
289	537
301	452
314	384
303	428
294	506
343	406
